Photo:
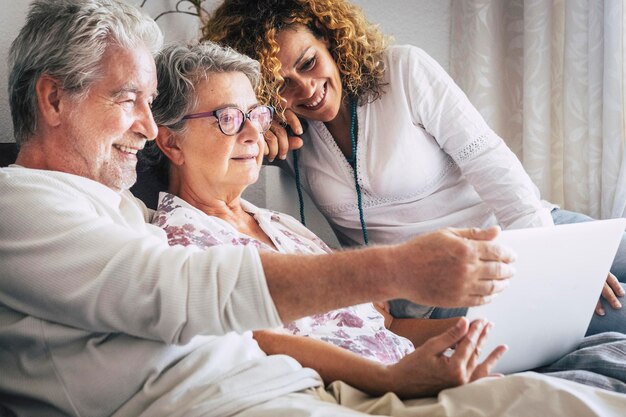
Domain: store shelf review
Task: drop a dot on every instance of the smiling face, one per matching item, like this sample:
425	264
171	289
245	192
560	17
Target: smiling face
212	164
104	130
313	86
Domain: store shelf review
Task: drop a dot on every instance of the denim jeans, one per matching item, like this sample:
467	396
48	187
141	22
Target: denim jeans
619	263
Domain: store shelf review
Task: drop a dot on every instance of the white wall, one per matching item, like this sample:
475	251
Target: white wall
13	15
11	18
425	23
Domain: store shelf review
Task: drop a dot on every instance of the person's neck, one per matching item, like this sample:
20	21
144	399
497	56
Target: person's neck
32	154
222	205
43	152
339	128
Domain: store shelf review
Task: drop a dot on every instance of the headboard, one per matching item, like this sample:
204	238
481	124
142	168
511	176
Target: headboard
146	188
8	153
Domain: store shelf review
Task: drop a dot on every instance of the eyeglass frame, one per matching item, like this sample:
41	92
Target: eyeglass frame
215	113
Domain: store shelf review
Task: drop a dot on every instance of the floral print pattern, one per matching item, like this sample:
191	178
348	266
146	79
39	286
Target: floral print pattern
360	329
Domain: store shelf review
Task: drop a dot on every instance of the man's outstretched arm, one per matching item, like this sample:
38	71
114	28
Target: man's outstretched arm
448	268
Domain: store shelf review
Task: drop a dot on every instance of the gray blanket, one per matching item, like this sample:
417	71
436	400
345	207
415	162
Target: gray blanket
599	361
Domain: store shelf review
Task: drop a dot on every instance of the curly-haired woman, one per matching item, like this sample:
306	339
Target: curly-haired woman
393	147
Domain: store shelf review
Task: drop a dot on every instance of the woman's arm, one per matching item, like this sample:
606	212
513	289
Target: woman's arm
485	160
424	372
331	362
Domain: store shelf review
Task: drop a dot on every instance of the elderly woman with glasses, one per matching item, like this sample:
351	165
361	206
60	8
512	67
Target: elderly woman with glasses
210	147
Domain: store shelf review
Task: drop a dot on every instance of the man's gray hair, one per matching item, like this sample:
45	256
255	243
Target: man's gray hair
180	68
66	39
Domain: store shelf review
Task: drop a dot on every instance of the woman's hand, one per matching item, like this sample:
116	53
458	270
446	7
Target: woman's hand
278	142
612	289
429	369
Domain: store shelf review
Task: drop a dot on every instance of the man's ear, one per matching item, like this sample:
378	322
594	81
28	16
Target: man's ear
167	141
49	94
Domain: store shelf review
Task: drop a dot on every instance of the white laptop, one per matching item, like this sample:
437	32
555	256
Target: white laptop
545	311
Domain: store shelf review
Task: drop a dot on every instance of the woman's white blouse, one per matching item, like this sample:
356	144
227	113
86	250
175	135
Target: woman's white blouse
426	159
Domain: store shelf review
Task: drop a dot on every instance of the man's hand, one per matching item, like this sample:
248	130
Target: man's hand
428	369
612	289
278	143
457	267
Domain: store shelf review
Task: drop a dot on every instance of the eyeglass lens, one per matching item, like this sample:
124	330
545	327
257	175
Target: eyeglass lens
231	119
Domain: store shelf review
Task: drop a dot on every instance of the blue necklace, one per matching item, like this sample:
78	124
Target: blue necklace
353	164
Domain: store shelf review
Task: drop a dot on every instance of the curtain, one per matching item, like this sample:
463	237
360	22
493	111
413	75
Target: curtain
548	76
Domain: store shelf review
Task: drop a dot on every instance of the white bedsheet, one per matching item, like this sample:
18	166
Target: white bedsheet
526	394
519	395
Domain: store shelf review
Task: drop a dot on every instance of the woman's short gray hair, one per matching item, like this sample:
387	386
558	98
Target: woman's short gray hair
180	68
66	40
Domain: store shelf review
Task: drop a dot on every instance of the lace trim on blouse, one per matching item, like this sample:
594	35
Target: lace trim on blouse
472	149
330	142
369	202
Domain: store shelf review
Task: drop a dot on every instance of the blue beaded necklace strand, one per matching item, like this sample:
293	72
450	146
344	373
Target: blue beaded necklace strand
353	164
298	185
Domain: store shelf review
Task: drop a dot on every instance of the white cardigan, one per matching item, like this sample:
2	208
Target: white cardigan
426	159
100	317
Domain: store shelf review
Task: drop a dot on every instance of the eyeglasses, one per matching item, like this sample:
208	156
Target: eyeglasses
232	119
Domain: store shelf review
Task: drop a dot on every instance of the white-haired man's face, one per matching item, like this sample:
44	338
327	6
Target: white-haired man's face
104	131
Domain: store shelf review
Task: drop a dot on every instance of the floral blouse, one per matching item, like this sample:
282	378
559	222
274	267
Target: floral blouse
359	329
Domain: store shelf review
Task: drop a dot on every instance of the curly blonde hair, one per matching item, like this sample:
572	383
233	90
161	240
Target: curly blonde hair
251	28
